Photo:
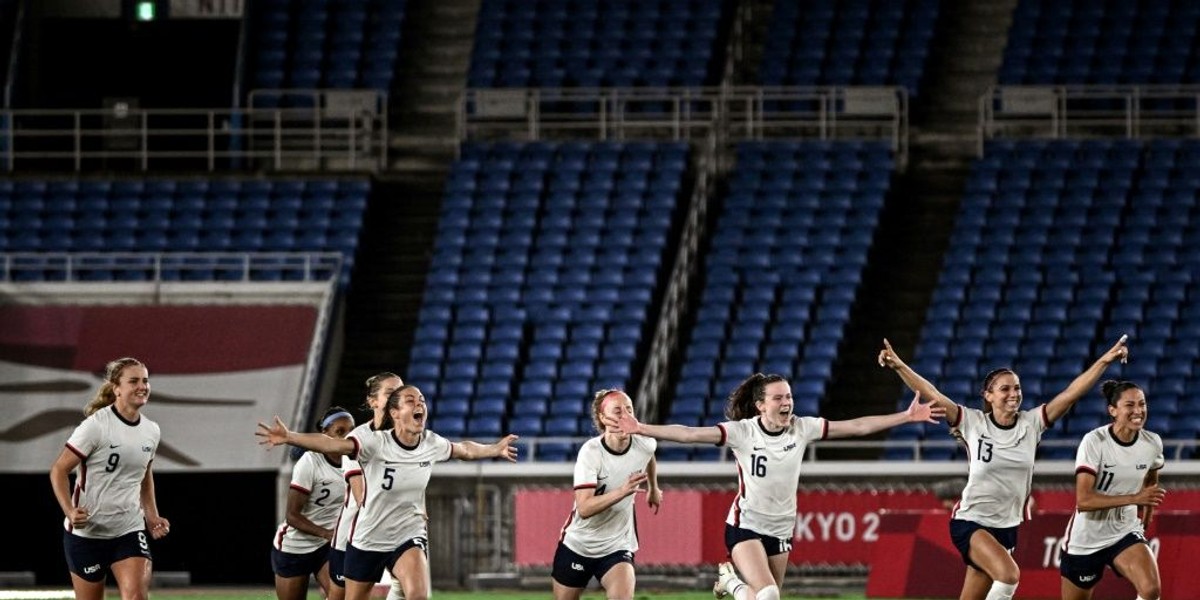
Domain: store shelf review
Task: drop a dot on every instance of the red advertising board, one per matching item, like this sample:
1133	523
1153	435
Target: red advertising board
911	542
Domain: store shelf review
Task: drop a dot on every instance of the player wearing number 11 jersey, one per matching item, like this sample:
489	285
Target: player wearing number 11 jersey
768	442
1116	473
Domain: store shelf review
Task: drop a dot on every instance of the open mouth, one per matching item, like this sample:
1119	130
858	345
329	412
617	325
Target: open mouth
419	418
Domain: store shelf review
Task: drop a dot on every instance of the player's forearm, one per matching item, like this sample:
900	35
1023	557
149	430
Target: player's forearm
302	523
61	485
149	502
320	442
919	384
1092	501
866	425
652	474
595	505
1077	388
681	433
469	450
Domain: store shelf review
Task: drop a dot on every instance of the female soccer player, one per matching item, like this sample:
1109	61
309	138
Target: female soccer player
1001	443
768	442
600	538
397	461
300	546
1116	471
112	513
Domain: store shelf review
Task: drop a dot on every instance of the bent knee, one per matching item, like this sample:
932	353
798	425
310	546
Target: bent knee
771	592
1010	574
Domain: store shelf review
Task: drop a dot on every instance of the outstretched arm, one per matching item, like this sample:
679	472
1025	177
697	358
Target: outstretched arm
1086	380
278	434
673	433
916	383
503	448
918	412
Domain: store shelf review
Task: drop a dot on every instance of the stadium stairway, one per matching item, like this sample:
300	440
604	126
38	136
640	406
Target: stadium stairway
434	59
917	221
389	280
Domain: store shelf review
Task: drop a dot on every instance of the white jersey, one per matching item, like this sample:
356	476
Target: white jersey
1000	475
1120	469
395	477
600	468
341	530
115	455
768	472
320	480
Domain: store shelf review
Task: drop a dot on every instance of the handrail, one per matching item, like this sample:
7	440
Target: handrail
737	112
304	138
1075	111
236	266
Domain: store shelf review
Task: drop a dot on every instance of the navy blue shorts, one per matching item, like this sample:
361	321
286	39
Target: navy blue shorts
773	545
288	564
337	565
368	566
1086	570
90	558
575	570
961	532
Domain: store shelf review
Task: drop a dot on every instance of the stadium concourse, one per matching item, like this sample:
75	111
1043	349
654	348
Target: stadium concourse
513	204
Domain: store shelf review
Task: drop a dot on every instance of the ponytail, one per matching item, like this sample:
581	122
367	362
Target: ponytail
106	395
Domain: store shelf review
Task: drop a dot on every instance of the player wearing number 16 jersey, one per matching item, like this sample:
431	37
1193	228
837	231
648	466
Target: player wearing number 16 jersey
1001	443
768	441
1116	472
397	461
112	512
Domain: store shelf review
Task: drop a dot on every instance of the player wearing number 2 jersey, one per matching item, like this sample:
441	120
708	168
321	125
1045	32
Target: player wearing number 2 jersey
1001	442
600	537
1116	472
397	461
300	546
112	512
768	442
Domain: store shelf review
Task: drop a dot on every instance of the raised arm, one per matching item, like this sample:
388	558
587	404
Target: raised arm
673	433
503	448
278	434
1086	380
916	383
918	412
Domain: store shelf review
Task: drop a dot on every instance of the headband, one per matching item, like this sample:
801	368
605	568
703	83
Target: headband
327	421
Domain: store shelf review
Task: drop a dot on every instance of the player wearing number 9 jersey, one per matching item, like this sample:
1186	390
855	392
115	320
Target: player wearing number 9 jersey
112	511
1116	473
1001	443
397	461
768	442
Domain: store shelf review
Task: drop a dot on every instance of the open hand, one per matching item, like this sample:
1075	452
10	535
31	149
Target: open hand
275	435
924	412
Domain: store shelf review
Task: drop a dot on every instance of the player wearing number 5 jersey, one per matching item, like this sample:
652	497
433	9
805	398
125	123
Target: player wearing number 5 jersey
301	542
1116	472
112	513
397	461
600	537
1001	442
768	442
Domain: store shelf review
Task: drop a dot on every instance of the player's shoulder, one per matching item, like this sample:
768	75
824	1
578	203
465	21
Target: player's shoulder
1151	437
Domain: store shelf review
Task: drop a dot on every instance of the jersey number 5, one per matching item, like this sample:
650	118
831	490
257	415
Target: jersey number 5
388	479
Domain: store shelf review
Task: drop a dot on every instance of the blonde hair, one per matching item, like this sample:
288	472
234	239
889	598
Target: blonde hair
105	396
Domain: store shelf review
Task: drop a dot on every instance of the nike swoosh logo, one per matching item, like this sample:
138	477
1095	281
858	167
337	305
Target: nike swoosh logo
601	478
113	445
757	448
1109	466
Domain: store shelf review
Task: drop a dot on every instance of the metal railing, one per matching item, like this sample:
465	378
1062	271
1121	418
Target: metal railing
299	138
1091	111
737	113
159	267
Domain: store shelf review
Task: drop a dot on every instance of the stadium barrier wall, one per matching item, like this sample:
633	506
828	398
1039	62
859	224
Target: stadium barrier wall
914	558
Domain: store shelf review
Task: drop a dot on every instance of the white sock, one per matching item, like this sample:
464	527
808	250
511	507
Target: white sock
395	592
738	589
771	592
1001	591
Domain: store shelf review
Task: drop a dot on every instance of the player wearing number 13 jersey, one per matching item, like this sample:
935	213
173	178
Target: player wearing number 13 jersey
768	441
1116	478
1001	446
397	461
